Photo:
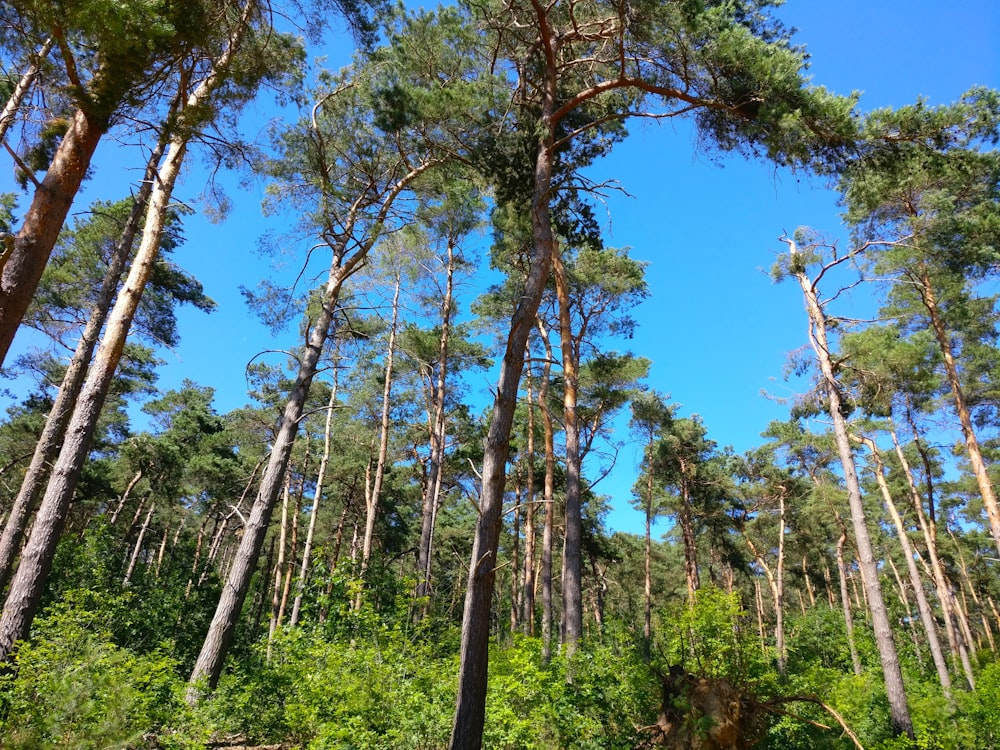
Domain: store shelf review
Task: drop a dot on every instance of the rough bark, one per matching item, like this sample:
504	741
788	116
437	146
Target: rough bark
895	690
43	221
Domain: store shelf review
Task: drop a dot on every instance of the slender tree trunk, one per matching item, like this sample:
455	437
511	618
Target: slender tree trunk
572	573
515	562
926	616
895	690
279	567
845	601
383	439
137	549
24	84
809	587
548	530
759	602
528	579
163	549
52	435
470	707
432	492
976	460
647	620
687	534
124	497
941	585
775	580
208	666
314	511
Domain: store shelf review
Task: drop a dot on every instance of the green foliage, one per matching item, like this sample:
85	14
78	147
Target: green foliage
711	637
75	689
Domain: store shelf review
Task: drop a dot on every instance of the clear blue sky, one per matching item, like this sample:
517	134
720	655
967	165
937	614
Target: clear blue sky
715	326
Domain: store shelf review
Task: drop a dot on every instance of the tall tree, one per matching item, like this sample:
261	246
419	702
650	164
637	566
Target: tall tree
579	67
27	586
650	415
377	129
797	263
928	189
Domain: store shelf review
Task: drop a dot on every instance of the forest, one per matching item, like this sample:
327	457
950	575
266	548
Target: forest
402	538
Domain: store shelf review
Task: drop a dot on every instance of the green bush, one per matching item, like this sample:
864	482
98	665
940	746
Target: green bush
74	688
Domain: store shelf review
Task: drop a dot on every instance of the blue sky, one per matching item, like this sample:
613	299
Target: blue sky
715	326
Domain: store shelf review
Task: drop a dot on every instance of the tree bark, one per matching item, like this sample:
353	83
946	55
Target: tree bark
435	478
926	616
348	254
36	561
941	584
528	578
572	572
42	223
895	690
687	534
383	438
52	435
137	548
470	708
548	490
24	84
976	460
314	511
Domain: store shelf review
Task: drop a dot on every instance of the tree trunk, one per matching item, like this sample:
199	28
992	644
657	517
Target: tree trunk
895	690
208	666
548	530
137	549
432	492
279	567
926	616
24	84
470	708
647	620
383	439
572	572
845	601
36	561
52	435
314	511
687	533
528	578
515	562
941	584
45	218
976	461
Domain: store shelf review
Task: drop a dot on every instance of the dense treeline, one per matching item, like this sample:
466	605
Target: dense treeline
369	554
